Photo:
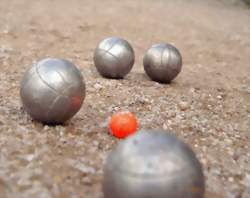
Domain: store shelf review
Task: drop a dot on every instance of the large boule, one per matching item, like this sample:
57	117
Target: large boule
52	91
153	164
162	62
114	57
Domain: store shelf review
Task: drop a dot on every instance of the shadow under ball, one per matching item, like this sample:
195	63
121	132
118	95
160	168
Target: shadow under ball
162	62
52	91
114	58
153	164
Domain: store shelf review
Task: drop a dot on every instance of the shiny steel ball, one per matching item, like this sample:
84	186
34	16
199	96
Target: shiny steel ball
52	91
114	58
153	164
162	62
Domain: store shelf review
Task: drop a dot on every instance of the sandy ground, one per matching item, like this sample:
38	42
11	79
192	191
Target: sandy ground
207	106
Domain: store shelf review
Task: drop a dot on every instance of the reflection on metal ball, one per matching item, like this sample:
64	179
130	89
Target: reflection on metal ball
52	91
162	62
114	58
153	164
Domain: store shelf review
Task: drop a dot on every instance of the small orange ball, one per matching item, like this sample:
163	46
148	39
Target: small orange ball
123	124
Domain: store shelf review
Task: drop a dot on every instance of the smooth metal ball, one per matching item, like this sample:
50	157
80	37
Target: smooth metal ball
52	91
114	58
162	62
153	164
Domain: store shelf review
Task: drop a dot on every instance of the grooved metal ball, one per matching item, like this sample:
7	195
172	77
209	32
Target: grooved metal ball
52	91
114	58
153	164
162	62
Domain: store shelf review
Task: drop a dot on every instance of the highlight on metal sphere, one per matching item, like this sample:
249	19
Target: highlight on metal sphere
52	91
153	164
162	62
114	58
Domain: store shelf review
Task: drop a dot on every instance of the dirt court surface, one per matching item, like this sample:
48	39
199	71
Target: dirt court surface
207	106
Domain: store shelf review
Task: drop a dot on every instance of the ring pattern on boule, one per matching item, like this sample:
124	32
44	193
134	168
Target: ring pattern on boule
60	84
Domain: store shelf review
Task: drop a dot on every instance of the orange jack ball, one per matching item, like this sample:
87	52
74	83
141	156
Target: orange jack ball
123	124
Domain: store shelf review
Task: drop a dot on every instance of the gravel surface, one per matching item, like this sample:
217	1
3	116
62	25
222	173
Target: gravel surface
207	106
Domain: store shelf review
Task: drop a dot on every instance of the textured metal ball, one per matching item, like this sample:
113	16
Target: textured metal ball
162	62
52	91
114	58
153	164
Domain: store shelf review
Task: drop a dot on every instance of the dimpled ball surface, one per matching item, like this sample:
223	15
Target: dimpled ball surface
152	164
114	58
162	62
52	91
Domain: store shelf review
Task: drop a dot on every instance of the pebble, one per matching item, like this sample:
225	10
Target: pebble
231	179
81	166
184	105
98	86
